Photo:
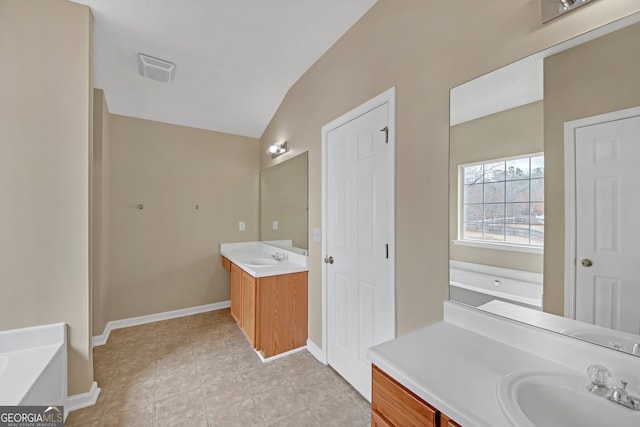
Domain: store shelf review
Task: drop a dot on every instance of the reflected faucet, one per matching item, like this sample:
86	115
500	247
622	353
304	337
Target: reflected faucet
566	4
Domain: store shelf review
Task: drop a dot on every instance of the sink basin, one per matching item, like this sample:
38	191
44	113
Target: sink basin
261	262
614	339
558	399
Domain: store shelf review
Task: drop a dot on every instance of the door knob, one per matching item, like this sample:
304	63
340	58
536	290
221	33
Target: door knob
328	259
586	262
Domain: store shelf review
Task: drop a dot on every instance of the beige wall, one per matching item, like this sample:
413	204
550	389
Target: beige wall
509	133
594	78
167	256
424	49
100	210
45	131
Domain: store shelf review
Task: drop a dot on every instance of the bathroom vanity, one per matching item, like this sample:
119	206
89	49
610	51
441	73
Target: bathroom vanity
478	369
268	296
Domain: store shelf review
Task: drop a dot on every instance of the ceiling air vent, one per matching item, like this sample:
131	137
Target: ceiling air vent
156	69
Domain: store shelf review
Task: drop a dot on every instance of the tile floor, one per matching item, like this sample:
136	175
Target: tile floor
201	371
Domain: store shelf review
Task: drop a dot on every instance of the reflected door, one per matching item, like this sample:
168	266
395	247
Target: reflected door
608	224
360	311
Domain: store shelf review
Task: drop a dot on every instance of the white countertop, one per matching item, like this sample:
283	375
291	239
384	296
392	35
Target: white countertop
240	253
455	365
455	370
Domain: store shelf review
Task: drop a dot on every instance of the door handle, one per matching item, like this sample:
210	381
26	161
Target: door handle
328	259
586	262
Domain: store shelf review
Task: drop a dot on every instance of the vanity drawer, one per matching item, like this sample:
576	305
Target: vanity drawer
378	421
397	405
447	422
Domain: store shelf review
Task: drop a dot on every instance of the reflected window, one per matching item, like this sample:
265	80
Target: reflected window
502	201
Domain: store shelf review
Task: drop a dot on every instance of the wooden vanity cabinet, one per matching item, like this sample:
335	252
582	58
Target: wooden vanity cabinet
392	404
271	311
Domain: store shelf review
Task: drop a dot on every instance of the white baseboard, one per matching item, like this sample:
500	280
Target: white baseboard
141	320
279	356
82	400
316	352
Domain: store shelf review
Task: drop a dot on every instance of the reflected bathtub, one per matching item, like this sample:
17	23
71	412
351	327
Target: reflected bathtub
33	365
477	284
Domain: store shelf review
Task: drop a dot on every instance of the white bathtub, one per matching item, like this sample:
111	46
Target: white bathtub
33	365
477	284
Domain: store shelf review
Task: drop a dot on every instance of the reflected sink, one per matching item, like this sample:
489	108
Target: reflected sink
558	399
613	339
260	262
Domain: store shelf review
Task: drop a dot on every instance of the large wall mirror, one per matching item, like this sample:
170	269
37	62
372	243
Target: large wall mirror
284	204
545	188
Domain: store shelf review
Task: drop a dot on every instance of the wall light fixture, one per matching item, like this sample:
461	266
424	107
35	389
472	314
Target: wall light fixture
277	149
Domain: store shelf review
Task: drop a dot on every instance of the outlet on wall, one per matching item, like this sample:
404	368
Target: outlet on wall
317	234
241	226
275	225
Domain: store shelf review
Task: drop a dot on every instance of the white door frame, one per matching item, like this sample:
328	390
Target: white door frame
387	97
570	256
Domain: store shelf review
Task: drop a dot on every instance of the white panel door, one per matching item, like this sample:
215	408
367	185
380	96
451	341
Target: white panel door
360	303
607	225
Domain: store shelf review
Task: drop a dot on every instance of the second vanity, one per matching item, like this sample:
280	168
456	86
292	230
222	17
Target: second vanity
476	369
268	296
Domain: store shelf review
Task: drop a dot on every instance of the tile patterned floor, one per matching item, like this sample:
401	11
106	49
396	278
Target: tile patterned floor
201	371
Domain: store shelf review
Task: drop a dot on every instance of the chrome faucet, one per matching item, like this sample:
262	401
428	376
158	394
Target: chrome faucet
621	397
280	256
600	377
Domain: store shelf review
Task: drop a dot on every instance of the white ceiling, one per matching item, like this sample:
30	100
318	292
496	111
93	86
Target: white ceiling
235	59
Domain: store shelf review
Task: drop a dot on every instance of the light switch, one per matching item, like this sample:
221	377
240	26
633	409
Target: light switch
275	225
241	226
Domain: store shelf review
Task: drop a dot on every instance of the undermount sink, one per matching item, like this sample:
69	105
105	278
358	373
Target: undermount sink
261	262
558	399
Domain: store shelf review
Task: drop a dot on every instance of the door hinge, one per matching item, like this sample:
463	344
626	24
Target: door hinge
386	134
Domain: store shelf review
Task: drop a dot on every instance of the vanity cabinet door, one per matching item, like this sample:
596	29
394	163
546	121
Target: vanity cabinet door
249	307
281	323
398	406
236	293
226	263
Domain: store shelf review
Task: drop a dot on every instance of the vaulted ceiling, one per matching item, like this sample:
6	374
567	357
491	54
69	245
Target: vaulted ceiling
235	59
